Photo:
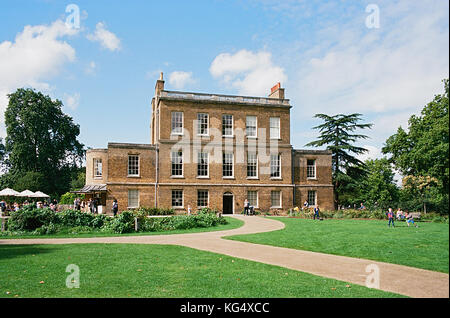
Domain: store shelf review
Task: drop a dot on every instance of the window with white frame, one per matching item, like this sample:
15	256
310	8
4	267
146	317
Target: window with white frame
311	168
97	167
275	166
252	165
133	165
177	123
251	126
202	198
177	163
311	197
227	164
274	127
252	197
202	122
275	199
177	198
227	125
202	164
133	198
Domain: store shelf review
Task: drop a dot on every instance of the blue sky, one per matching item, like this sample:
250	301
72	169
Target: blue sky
323	52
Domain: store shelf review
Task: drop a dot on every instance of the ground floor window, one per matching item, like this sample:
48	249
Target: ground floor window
133	198
275	198
252	197
202	198
312	197
177	198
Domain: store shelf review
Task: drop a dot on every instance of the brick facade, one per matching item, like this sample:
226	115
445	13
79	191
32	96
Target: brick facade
153	180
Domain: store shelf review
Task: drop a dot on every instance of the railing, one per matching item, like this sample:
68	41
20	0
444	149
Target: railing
225	98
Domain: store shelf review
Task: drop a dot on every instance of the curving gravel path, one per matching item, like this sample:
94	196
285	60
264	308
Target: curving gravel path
409	281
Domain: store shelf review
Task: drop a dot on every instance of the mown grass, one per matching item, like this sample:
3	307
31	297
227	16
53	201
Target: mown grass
425	247
133	270
65	233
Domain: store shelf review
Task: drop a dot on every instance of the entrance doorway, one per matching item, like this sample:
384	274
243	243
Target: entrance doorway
228	204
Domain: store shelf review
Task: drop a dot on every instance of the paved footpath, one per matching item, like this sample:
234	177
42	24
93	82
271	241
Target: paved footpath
409	281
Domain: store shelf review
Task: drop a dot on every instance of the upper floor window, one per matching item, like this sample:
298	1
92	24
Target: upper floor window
251	126
97	167
227	125
133	165
202	164
252	165
227	164
274	127
177	123
202	122
275	166
311	168
177	163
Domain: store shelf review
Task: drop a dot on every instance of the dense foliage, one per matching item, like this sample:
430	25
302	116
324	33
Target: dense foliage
31	220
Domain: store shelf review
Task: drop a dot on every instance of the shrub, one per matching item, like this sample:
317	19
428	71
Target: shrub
72	218
30	218
124	223
155	211
80	230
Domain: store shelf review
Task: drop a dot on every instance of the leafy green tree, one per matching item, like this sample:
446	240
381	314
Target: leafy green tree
423	150
337	133
41	138
78	179
378	188
31	180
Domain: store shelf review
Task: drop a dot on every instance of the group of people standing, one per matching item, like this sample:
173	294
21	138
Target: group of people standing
91	205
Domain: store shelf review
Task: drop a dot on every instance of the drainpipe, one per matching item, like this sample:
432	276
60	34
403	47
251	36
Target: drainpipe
293	176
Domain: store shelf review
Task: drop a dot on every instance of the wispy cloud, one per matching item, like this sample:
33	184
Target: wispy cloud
180	79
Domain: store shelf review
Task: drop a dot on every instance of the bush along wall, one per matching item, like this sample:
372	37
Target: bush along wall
33	221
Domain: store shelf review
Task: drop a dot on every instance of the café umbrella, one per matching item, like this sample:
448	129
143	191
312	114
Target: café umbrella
39	194
7	192
26	193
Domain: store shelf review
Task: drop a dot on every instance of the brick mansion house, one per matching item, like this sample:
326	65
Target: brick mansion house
209	150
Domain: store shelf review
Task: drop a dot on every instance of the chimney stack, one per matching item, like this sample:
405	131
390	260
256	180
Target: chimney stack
159	84
277	92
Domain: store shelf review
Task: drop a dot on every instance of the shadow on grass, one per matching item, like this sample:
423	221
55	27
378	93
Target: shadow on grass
12	251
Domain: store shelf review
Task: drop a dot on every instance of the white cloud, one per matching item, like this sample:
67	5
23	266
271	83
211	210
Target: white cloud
248	72
179	79
106	38
397	67
37	54
72	101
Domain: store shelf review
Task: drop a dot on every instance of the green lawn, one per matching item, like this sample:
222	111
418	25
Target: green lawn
425	247
232	224
133	270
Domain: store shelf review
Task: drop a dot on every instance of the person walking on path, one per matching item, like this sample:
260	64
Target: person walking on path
246	205
390	216
316	212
